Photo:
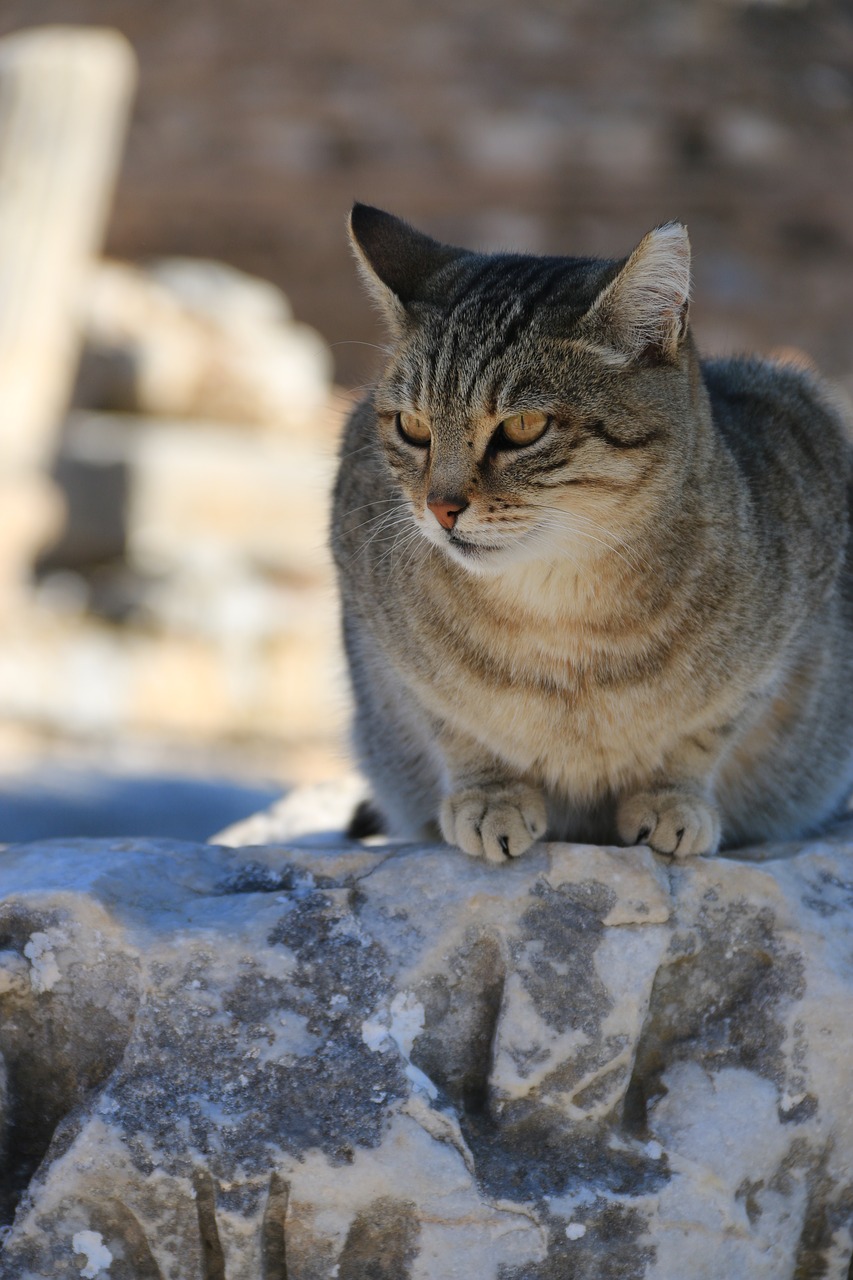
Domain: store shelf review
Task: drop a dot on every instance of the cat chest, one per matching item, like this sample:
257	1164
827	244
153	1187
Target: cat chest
568	724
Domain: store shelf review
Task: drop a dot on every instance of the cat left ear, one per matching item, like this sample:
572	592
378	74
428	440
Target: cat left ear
396	262
644	308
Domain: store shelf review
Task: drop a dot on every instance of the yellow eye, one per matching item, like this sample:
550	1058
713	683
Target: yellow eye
413	429
524	428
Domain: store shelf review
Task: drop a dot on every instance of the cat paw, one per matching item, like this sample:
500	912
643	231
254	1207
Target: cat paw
494	822
679	823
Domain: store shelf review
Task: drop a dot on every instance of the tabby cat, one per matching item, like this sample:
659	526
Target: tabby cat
592	587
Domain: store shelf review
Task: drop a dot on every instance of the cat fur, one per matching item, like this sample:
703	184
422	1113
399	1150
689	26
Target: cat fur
640	627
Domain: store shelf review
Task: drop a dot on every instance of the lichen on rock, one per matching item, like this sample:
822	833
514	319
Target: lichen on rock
320	1058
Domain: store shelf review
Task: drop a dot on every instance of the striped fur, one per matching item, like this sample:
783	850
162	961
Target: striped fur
639	626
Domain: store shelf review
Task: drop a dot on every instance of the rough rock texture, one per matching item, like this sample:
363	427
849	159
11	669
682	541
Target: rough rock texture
323	1059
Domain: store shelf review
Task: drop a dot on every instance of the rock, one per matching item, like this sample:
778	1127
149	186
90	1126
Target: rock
220	293
196	339
32	514
304	812
208	547
320	1059
84	680
170	494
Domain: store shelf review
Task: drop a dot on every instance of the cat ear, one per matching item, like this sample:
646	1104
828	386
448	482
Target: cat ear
396	262
645	306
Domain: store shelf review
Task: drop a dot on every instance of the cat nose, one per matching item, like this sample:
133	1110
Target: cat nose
446	510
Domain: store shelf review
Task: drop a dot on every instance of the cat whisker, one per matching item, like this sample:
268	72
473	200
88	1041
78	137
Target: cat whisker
389	529
356	342
414	545
562	526
548	526
399	505
569	520
386	524
398	547
383	527
370	447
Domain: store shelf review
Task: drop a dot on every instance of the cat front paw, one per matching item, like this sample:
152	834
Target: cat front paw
677	822
495	822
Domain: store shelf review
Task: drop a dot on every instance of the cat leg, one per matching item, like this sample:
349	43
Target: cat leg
484	813
394	743
403	774
676	813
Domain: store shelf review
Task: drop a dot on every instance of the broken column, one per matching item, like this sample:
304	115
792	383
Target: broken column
64	99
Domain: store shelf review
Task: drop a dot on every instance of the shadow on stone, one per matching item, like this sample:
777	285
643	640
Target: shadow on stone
61	1035
118	1224
719	1000
273	1239
461	1011
382	1242
213	1260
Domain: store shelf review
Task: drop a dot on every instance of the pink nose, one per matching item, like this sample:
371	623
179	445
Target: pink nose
447	511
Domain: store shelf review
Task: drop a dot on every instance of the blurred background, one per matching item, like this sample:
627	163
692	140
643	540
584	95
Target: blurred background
182	331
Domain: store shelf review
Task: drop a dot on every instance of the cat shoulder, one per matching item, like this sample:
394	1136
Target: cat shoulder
769	405
784	382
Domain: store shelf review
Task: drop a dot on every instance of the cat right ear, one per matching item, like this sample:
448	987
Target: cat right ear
396	262
645	307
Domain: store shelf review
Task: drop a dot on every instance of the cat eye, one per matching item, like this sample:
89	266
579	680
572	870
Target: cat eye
521	429
414	430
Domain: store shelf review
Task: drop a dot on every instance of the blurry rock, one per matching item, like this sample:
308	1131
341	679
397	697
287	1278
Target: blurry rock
304	812
221	293
621	146
176	496
92	476
32	514
208	545
197	339
212	681
399	1063
749	138
513	145
198	491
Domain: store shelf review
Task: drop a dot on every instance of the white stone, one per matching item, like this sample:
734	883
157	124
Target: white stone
198	339
98	1256
584	1062
44	971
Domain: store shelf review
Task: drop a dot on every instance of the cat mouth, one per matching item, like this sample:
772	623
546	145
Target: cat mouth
471	549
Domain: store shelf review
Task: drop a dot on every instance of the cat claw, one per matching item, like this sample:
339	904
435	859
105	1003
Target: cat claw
678	823
494	822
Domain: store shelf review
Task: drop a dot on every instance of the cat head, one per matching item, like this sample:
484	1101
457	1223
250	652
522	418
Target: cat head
529	404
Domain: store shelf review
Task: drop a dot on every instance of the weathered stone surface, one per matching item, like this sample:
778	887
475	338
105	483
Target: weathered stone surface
324	1059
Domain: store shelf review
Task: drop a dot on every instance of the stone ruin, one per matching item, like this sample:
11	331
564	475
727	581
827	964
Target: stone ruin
287	1055
168	440
314	1058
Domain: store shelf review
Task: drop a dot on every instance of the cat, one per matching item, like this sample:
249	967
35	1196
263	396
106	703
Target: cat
593	588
